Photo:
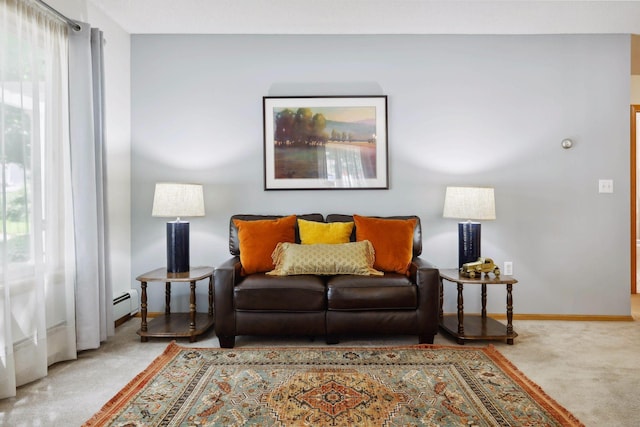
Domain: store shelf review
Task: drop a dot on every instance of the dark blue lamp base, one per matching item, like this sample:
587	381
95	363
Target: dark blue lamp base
468	242
177	247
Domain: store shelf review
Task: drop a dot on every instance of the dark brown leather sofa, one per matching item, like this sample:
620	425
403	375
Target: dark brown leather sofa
330	306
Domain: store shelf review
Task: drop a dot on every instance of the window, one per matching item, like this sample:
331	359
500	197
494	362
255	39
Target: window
37	261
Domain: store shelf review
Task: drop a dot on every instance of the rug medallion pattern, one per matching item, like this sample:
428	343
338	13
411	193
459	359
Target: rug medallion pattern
396	386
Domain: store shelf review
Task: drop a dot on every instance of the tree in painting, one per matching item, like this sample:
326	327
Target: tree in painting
299	128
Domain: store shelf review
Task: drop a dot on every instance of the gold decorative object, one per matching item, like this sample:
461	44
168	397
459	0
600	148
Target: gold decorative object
476	268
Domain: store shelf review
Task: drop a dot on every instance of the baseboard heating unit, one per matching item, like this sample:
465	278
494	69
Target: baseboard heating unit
125	306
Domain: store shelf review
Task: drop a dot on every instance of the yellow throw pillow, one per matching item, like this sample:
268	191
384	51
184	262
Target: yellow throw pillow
328	259
312	232
259	238
392	239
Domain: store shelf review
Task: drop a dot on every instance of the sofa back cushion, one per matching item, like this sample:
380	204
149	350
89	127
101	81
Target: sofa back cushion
417	231
234	241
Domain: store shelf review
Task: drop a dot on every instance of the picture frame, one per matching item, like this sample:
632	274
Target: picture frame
325	142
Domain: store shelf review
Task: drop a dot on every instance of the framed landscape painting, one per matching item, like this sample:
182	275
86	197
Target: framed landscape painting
325	142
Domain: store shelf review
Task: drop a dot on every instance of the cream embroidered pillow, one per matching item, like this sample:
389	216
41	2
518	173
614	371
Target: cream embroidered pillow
344	258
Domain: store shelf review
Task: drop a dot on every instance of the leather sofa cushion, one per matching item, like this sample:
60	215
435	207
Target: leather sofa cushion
278	293
392	291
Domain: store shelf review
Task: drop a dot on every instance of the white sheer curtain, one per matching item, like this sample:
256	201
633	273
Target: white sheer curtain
37	248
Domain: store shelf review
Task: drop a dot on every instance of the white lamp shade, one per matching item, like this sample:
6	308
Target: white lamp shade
470	203
178	200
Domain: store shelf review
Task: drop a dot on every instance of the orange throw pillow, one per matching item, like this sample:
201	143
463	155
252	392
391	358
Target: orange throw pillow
392	240
259	238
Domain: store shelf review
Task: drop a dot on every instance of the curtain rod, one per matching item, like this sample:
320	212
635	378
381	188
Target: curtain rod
73	24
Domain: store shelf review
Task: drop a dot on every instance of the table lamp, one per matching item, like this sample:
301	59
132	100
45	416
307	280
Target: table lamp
469	203
178	200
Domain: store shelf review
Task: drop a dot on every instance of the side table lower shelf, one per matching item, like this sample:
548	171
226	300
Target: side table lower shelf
472	326
176	325
476	327
173	325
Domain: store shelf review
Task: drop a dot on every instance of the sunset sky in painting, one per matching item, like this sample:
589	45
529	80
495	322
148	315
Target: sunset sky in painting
346	114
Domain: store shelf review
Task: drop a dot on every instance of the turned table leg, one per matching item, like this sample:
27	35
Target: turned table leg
210	296
143	311
460	314
167	298
192	312
484	300
509	313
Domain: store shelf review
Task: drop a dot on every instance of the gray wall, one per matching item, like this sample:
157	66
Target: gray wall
463	110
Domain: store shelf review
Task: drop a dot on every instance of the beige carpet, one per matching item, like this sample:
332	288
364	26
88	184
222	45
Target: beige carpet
590	368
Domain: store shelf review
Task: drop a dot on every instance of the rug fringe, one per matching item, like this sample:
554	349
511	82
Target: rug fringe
533	389
108	411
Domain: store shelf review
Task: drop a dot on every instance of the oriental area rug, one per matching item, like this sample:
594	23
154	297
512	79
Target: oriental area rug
424	385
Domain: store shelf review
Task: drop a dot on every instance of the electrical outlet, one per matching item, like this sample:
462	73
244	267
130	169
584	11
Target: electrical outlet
605	186
508	268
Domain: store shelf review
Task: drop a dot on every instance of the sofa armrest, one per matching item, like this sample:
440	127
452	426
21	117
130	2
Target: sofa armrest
225	277
427	278
419	262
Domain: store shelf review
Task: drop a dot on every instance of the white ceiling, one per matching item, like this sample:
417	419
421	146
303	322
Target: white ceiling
373	16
